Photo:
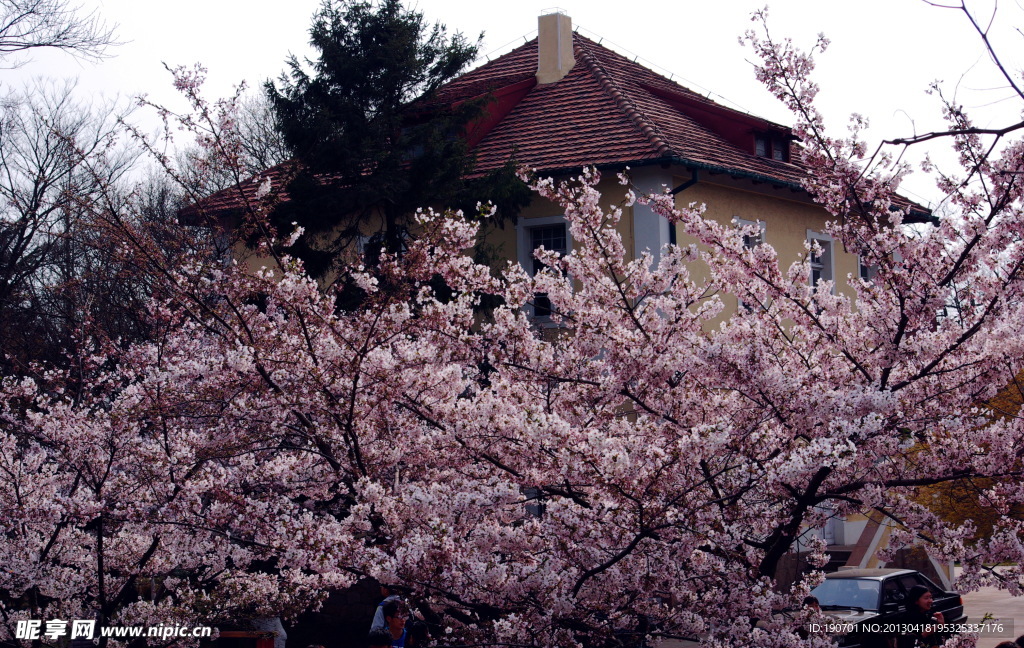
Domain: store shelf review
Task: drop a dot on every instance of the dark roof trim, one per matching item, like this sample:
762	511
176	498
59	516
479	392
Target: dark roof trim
916	214
683	162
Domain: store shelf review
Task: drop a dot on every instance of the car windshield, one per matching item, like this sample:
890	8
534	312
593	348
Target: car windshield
848	592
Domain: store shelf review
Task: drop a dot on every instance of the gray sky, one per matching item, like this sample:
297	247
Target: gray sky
884	53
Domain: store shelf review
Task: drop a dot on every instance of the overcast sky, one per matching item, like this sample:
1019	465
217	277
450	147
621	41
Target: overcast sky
883	56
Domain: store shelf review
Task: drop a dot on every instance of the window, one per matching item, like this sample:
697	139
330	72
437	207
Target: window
891	592
750	242
549	237
915	579
549	233
866	271
772	146
222	247
535	506
779	150
822	267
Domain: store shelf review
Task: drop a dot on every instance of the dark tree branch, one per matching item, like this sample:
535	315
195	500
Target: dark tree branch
56	24
916	139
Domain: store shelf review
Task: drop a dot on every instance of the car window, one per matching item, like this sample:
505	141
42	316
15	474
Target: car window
892	592
849	592
936	590
910	580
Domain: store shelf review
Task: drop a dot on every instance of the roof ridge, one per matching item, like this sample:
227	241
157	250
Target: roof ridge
622	100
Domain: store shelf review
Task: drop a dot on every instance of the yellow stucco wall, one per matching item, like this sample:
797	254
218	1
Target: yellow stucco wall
787	216
503	239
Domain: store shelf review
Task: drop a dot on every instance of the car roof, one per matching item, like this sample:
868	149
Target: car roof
878	574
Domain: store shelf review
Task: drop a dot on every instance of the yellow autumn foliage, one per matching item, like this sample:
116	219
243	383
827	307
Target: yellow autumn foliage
962	500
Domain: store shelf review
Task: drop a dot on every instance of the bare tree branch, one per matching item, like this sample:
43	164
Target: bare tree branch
32	24
983	33
951	133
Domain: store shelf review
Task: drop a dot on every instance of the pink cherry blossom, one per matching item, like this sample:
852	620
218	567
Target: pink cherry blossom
635	468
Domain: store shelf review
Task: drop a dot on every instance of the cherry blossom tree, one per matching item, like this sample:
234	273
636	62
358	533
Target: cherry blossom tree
83	534
640	467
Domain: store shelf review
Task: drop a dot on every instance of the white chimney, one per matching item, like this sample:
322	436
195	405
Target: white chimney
554	47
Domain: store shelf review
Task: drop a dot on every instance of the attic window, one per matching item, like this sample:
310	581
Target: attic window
772	146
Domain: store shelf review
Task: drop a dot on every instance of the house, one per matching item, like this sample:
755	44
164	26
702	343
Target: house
562	101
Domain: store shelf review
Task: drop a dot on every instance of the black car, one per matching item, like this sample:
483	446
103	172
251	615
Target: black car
872	602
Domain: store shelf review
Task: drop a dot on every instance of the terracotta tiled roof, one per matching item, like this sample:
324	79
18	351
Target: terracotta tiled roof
241	196
610	110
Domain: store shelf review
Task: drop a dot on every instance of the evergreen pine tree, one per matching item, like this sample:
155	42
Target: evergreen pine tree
371	144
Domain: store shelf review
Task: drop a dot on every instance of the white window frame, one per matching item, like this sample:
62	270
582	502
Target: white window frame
865	271
742	222
828	264
524	244
223	250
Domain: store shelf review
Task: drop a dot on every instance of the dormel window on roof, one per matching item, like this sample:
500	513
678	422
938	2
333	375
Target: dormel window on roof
771	145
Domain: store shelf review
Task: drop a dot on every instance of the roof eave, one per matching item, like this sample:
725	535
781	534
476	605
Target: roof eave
914	216
678	161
